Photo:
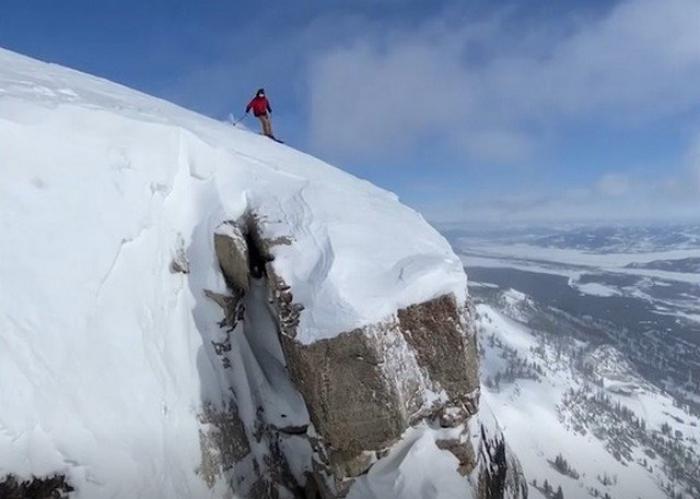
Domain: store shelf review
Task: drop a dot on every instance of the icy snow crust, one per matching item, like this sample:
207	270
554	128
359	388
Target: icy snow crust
102	371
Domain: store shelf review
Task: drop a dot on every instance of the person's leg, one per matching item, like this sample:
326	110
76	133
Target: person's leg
267	125
263	125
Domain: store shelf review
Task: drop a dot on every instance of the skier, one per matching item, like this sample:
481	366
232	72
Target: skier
261	110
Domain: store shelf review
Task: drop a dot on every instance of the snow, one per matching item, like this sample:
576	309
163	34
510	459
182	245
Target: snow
572	256
573	263
596	289
414	469
489	285
263	389
103	350
536	424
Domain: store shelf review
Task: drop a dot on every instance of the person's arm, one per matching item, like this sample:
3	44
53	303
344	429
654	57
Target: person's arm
269	109
247	108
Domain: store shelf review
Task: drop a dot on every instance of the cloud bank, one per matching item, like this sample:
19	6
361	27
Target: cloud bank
493	90
489	115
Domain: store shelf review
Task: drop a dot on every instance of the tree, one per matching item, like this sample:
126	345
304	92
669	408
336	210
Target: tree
547	488
605	479
559	494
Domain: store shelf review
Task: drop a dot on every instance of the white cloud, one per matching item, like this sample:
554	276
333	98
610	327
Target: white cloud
387	92
614	196
498	145
693	156
613	184
366	100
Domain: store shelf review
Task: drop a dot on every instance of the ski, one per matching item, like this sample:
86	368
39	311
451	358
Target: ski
272	137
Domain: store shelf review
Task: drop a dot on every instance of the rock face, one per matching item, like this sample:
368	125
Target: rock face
499	472
54	487
223	441
232	253
363	388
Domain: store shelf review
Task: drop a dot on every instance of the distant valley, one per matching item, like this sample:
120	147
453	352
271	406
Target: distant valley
591	345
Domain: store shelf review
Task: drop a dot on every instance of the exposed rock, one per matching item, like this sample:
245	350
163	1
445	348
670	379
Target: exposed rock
179	266
222	440
263	489
328	485
352	404
463	450
500	474
232	252
179	263
436	330
311	489
53	487
278	474
363	388
348	464
230	304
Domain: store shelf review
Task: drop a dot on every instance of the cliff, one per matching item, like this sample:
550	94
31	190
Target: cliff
192	310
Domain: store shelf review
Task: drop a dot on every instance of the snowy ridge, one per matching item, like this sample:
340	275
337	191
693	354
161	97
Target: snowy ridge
334	219
102	339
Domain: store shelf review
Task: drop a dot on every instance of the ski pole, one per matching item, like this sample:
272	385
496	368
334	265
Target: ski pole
240	119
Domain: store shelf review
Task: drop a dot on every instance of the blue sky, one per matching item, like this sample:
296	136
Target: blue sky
476	112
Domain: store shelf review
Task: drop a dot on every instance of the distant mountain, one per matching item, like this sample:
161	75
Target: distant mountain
624	239
686	265
601	239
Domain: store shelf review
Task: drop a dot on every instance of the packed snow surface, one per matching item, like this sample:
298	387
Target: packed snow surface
102	367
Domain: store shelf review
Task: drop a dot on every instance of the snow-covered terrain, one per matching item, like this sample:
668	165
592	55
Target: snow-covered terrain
574	263
108	203
591	345
594	239
654	270
580	416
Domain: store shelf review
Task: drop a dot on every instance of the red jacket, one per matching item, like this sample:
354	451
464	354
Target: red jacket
260	106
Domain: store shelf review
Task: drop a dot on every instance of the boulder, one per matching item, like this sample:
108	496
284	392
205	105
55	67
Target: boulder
232	253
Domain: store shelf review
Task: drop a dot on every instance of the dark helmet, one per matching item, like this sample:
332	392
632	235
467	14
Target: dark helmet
261	91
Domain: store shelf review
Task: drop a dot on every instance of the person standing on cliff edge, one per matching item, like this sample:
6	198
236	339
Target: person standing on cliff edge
261	110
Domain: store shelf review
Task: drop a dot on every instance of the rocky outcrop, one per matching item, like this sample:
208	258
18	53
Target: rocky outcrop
53	487
232	253
223	441
439	333
363	388
499	472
